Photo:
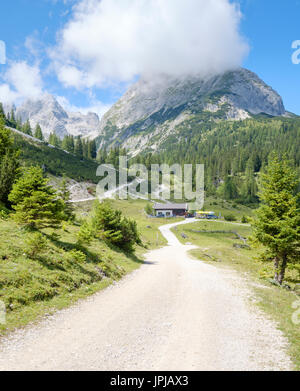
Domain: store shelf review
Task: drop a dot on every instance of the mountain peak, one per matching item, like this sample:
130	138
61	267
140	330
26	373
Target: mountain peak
54	118
155	108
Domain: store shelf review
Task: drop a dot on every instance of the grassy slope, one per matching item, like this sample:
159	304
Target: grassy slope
227	208
218	250
56	161
31	288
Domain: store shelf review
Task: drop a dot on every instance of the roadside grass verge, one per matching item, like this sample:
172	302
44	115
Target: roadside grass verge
31	286
218	249
34	285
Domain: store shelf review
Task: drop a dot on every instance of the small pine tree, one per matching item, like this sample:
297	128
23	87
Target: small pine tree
26	128
38	132
2	113
68	144
115	228
19	124
13	118
277	224
54	140
92	150
36	203
78	147
65	196
9	163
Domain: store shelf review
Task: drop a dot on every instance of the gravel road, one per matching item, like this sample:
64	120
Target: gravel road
174	313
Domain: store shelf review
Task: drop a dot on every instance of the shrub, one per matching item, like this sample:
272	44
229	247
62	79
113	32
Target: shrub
35	244
85	234
230	217
149	210
245	220
76	255
112	226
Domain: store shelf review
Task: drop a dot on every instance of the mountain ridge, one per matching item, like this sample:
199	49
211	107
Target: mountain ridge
153	109
52	117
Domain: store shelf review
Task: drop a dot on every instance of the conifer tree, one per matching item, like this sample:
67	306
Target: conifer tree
277	224
37	204
78	147
26	128
54	140
9	163
92	150
12	119
65	196
2	113
38	132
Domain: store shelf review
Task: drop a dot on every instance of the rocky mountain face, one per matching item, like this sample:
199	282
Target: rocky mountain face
155	109
53	118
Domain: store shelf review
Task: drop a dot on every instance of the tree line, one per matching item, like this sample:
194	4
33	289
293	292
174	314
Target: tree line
234	153
76	145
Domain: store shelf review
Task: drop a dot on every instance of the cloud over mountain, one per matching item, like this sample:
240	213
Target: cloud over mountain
20	81
111	41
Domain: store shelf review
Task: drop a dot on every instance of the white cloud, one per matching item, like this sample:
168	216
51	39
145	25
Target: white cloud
107	41
21	81
7	95
26	79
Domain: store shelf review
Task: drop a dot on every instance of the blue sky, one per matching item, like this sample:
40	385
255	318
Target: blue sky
30	27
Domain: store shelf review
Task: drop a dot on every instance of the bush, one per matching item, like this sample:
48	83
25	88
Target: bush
85	234
76	255
245	220
112	226
35	244
230	217
149	210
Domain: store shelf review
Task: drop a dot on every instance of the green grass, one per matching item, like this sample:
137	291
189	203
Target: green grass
135	209
57	277
148	227
227	208
217	249
31	287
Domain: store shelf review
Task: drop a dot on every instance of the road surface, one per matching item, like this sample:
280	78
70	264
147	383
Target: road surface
174	313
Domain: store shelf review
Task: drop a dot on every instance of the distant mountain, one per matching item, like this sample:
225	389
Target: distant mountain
155	109
53	118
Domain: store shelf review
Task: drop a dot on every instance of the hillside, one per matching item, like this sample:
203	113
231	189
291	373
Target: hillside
54	160
156	110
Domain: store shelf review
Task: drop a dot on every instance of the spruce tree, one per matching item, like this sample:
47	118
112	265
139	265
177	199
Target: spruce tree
85	149
78	147
2	113
37	204
92	150
26	128
277	223
54	140
38	132
12	120
9	163
65	196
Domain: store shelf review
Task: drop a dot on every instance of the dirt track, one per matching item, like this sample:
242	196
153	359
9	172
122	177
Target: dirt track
174	313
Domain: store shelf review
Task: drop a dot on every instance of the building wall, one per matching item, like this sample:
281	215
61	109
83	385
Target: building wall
170	213
164	213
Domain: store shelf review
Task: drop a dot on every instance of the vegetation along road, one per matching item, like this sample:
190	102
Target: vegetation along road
174	313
